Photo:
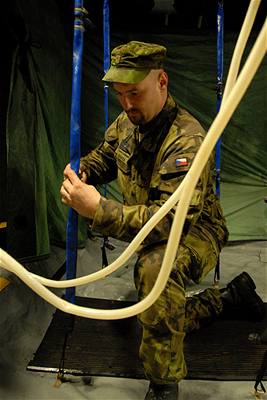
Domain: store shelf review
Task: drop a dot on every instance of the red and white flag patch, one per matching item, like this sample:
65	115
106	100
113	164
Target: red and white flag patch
179	162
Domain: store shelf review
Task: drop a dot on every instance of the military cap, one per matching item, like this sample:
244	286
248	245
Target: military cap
131	62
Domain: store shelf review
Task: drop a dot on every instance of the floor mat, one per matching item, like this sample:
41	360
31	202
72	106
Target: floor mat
221	351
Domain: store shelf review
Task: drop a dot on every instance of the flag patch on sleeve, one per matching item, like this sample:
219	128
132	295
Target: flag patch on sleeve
179	162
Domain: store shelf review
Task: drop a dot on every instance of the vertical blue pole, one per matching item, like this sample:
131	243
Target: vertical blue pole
220	32
106	64
220	38
72	224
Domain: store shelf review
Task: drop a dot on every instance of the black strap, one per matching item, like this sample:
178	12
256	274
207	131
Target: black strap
106	245
104	253
217	274
260	374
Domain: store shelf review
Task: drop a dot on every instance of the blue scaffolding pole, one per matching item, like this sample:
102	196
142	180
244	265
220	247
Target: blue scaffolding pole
75	130
220	48
220	39
106	64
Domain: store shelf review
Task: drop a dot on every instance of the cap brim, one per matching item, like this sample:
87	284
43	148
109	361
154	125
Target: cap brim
125	75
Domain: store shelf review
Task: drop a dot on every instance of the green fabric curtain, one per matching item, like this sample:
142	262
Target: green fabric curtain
191	66
39	112
38	131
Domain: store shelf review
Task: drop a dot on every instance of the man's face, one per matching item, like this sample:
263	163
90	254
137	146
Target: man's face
144	100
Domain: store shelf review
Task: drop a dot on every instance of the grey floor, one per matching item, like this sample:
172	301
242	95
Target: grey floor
24	319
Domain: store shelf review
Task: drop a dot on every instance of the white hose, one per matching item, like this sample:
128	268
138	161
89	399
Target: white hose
240	46
146	229
127	253
218	125
170	203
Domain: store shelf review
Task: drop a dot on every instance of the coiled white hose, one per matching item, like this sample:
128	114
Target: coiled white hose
184	192
170	203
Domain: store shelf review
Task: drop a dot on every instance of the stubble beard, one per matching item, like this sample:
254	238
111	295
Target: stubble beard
136	117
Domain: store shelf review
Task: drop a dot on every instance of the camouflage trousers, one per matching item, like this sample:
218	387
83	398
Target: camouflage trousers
167	321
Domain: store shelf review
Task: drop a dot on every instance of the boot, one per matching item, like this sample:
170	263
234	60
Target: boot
162	392
240	300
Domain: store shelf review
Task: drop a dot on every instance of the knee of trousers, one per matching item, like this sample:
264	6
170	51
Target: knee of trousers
167	313
170	305
148	266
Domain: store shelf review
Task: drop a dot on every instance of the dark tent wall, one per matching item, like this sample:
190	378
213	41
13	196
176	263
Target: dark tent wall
37	126
191	66
38	111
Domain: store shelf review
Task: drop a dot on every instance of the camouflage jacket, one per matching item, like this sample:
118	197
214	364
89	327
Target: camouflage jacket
150	162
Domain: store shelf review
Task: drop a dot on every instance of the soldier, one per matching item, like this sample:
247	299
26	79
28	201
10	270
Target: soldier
149	148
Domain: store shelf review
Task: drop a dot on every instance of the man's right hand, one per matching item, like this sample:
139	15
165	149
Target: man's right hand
81	197
82	174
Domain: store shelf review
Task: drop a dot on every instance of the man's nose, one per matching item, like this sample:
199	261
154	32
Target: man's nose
126	103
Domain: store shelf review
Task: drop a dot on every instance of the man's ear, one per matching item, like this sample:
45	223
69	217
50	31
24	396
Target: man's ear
163	80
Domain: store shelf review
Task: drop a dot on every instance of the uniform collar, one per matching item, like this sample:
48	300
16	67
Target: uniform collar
153	129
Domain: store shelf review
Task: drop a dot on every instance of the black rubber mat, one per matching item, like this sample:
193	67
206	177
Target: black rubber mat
221	351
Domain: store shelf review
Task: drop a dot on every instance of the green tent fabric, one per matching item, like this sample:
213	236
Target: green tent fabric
38	133
39	112
191	66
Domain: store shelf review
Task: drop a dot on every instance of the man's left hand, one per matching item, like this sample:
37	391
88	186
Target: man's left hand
81	197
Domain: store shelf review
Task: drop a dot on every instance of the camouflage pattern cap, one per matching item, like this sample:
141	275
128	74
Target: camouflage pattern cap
131	62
